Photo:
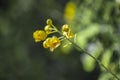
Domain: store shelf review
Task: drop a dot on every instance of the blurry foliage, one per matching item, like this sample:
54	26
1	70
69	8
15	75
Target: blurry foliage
97	27
18	19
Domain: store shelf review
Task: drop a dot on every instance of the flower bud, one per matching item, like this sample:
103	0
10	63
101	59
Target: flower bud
49	21
65	28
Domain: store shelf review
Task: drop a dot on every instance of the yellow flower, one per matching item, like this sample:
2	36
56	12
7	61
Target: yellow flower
51	43
46	43
70	34
49	21
65	28
70	11
39	35
48	29
66	31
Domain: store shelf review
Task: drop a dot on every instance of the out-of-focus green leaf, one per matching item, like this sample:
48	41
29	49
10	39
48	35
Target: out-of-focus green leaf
88	62
107	10
87	15
106	76
106	58
4	27
66	47
83	36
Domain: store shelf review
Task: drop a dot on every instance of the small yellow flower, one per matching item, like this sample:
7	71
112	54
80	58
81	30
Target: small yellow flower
48	29
49	21
46	43
39	35
70	11
70	34
51	43
65	28
66	31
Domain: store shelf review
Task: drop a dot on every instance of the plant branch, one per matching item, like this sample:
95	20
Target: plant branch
97	60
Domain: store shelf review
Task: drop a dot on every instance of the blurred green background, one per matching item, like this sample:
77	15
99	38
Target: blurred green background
96	24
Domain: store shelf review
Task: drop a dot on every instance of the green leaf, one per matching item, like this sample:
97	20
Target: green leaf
89	32
106	58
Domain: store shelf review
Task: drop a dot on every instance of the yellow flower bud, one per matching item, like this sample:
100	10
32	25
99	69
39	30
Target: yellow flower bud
65	28
39	35
70	34
46	43
48	29
49	21
66	31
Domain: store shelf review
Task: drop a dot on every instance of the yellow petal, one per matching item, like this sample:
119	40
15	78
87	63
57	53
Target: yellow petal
39	35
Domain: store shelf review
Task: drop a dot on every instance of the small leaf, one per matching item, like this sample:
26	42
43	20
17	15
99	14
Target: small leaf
106	58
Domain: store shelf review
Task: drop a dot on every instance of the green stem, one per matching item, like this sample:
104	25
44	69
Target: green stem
98	61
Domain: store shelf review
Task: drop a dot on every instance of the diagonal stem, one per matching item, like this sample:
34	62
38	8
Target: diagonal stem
98	61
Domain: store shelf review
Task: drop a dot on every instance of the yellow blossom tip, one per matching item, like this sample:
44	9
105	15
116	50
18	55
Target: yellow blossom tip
48	29
66	31
65	28
49	21
46	43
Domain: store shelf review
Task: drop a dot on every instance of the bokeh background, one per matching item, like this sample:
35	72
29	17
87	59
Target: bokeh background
96	24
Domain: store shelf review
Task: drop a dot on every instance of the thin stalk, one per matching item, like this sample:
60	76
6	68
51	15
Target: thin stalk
98	61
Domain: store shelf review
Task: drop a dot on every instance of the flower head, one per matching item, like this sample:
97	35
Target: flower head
70	11
46	43
66	31
51	43
49	21
70	34
65	28
48	29
39	35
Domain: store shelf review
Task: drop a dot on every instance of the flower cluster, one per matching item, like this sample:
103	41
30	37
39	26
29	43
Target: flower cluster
54	41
